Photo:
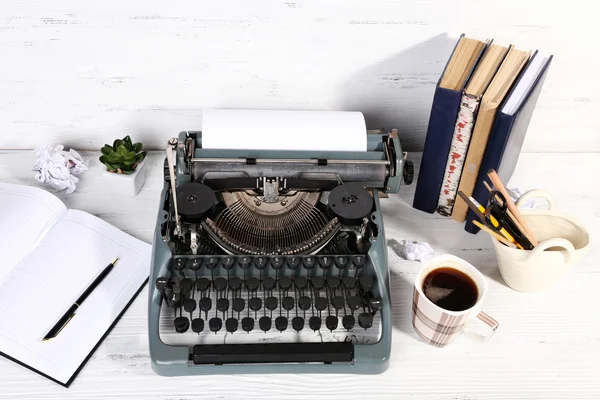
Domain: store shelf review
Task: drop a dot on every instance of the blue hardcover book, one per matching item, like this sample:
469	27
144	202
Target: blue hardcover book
446	102
510	128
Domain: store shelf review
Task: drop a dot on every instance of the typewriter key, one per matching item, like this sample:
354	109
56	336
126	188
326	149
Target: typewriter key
331	323
260	262
353	302
349	282
238	304
300	282
293	262
358	261
245	262
333	282
181	324
179	264
277	262
252	284
321	303
340	262
298	323
227	262
317	282
197	325
231	325
304	303
287	303
365	320
211	262
309	262
205	304
314	323
186	285
161	283
285	283
202	284
348	322
194	264
247	324
268	283
222	304
375	303
255	303
189	305
220	284
281	323
337	302
235	283
325	262
265	323
271	303
215	324
366	282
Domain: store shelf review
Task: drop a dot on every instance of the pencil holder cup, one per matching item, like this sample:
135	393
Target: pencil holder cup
563	242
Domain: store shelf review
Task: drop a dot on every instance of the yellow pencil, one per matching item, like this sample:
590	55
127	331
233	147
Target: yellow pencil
494	234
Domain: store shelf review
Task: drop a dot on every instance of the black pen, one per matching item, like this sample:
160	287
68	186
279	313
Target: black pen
71	312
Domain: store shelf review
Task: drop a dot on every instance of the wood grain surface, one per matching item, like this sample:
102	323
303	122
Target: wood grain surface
81	73
547	346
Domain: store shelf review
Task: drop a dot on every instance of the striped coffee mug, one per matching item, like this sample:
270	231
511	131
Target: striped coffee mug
438	326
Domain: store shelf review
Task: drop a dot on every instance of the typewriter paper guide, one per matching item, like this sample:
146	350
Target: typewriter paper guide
60	253
283	130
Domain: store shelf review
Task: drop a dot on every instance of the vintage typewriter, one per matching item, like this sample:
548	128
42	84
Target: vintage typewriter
268	261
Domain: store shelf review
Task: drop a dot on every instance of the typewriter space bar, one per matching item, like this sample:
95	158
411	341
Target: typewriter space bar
333	352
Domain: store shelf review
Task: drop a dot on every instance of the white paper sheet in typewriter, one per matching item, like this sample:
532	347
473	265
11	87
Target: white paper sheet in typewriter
356	335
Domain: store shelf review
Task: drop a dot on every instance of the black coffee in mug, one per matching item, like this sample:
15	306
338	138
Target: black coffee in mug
450	289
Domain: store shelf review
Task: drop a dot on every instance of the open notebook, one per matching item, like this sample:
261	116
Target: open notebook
50	255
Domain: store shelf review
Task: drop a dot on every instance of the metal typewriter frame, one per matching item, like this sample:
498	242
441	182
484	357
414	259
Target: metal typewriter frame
169	360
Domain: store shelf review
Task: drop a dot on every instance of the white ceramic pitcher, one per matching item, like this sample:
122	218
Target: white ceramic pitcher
563	241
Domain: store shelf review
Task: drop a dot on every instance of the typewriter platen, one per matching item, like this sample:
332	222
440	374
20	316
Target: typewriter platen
273	261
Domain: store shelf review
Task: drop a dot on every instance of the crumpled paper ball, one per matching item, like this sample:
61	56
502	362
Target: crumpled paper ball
414	250
57	167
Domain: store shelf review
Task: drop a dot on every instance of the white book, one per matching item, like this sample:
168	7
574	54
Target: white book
50	255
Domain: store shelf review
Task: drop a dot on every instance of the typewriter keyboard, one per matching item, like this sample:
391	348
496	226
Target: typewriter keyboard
263	299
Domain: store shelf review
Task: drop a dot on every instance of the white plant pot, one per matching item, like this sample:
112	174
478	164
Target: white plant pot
128	185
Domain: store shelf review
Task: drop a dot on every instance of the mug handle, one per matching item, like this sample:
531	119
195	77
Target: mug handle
555	242
536	193
488	322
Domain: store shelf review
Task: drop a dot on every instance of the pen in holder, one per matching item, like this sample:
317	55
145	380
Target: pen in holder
563	242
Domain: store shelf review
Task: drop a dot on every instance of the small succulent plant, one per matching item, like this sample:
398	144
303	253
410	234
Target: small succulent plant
123	156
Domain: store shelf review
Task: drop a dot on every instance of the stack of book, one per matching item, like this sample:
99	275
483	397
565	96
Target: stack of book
481	109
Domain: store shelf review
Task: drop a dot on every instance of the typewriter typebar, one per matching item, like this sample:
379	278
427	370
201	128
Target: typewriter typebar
273	261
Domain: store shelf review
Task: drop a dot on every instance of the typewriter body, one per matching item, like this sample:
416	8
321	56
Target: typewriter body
269	261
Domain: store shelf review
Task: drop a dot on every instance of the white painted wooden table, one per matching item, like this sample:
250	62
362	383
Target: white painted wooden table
547	346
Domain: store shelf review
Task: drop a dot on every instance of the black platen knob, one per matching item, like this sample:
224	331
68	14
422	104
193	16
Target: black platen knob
408	172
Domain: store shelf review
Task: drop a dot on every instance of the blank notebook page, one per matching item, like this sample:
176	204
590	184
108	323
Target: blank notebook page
27	213
43	286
